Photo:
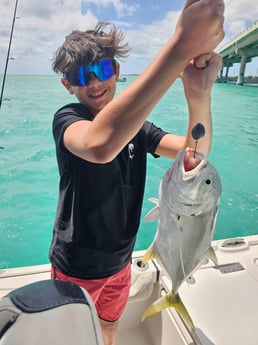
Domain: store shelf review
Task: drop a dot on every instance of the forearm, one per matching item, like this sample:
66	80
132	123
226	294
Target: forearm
198	79
200	112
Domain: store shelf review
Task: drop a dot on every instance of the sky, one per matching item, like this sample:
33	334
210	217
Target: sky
41	26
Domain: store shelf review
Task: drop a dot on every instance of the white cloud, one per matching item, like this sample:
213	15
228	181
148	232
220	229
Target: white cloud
239	14
39	30
121	8
42	27
147	40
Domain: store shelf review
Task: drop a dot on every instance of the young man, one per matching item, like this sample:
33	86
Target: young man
102	142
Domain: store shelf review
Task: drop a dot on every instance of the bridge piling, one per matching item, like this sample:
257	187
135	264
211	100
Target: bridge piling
240	49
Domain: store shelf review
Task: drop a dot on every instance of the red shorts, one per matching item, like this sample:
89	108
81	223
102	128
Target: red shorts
109	294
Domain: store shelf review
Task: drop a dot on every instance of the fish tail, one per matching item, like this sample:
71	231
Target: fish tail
169	300
149	254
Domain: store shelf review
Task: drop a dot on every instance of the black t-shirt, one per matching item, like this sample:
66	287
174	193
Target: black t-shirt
99	205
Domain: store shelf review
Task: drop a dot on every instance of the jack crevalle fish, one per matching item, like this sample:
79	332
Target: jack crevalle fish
186	211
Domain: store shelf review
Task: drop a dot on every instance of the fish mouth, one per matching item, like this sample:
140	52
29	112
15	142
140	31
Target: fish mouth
192	159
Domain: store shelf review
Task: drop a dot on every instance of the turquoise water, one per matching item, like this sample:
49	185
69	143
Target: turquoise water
28	171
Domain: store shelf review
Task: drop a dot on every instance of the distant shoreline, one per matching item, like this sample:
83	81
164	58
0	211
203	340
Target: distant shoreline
249	80
58	75
232	80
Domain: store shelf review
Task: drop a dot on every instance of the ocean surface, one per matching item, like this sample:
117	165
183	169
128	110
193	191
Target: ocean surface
28	170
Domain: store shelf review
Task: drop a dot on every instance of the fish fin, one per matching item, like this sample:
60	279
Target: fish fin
152	215
169	300
212	256
149	254
154	200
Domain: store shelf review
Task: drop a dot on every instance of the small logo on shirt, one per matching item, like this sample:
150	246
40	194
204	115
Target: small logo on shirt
131	150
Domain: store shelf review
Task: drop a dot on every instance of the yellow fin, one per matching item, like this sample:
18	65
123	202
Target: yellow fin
149	254
170	300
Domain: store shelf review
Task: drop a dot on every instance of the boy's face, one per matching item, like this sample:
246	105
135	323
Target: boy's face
96	94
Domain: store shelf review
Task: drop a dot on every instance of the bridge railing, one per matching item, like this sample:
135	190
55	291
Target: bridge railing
240	35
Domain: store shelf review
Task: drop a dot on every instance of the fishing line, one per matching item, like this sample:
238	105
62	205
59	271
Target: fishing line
198	131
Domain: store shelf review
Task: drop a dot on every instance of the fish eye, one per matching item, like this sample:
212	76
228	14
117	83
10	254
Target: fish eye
208	181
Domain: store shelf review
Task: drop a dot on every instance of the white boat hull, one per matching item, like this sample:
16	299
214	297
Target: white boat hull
222	301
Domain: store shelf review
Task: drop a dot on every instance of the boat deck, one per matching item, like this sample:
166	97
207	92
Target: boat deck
222	300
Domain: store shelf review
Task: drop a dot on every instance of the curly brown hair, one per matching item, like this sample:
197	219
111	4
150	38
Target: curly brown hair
81	47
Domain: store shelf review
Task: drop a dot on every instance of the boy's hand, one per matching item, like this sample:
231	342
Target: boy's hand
199	28
200	74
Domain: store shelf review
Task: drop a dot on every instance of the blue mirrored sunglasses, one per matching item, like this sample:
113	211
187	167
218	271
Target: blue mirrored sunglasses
103	69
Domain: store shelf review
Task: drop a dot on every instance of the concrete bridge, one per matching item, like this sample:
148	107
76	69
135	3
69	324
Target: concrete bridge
241	49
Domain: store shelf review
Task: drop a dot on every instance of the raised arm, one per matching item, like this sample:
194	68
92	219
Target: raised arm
198	79
199	29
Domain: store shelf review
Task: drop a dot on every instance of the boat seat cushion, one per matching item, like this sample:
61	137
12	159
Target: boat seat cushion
49	312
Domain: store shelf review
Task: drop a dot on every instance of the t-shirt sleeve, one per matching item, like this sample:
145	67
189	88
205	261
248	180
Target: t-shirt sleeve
63	118
153	134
